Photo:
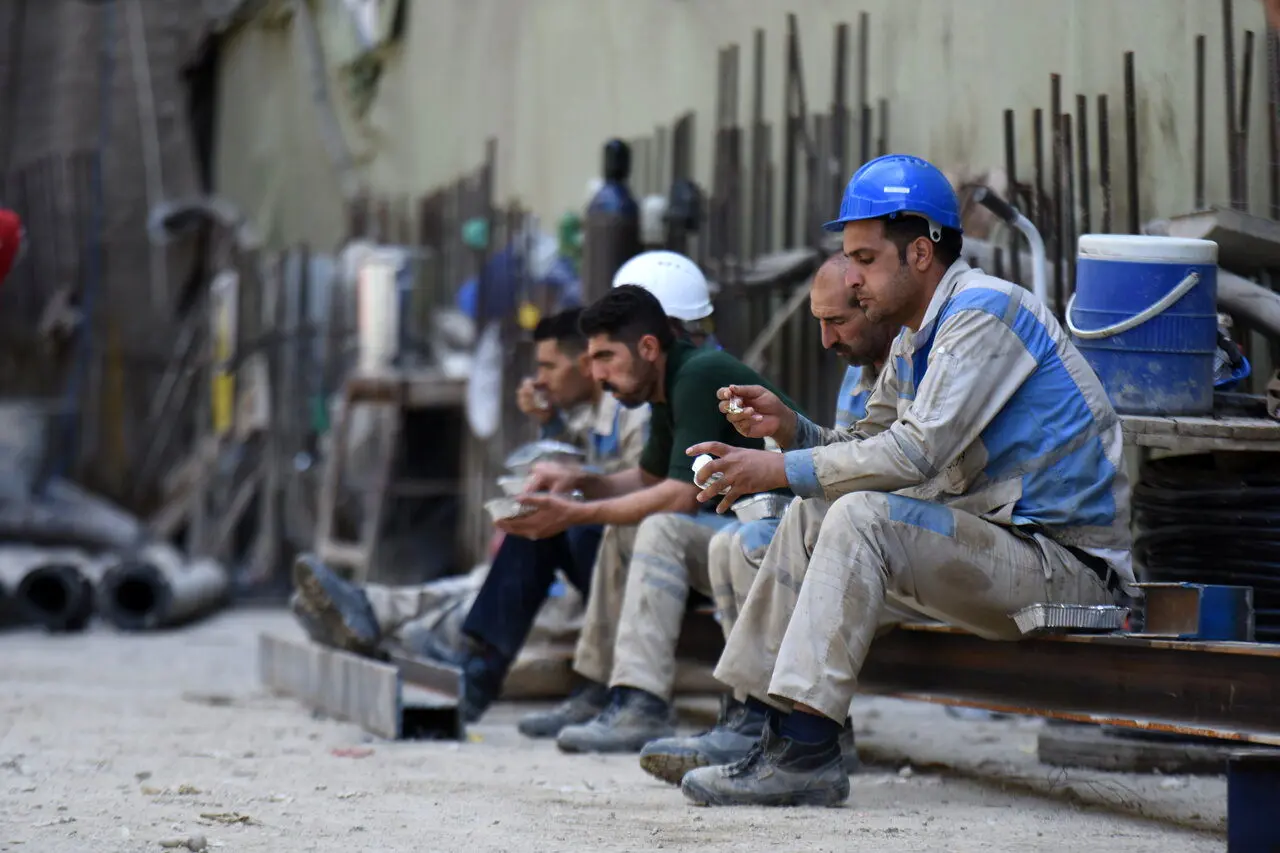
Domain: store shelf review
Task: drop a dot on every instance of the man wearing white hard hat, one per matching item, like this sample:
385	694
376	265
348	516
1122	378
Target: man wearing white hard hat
680	286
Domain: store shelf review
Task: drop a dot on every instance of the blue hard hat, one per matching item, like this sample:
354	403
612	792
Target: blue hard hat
899	183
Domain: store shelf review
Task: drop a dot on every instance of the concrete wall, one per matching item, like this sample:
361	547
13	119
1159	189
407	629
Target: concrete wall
551	79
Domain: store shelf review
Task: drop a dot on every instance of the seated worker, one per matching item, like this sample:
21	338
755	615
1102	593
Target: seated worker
358	619
651	510
987	476
736	551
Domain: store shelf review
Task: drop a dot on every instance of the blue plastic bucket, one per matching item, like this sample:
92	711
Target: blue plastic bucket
1145	316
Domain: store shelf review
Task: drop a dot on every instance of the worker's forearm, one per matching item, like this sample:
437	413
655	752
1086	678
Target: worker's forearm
597	487
667	496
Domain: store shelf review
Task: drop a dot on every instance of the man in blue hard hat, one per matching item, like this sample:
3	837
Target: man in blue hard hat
987	476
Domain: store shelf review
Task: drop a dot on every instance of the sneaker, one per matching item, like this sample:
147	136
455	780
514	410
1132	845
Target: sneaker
732	737
309	621
632	719
777	772
482	674
584	705
339	613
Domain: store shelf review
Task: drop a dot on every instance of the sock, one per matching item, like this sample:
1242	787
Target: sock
809	728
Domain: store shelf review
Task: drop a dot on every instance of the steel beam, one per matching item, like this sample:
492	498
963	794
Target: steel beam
1208	689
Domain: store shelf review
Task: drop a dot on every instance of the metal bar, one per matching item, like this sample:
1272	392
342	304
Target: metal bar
1199	129
1242	131
1055	119
1229	60
1221	689
1273	120
840	107
1037	199
1011	171
882	148
1131	141
1068	214
864	73
1104	162
789	163
759	152
1082	132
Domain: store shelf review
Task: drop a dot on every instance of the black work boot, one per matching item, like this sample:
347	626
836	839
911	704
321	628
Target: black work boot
339	611
483	668
736	731
849	749
777	772
582	705
632	719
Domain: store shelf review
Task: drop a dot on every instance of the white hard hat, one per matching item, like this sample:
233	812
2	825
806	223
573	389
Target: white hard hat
675	280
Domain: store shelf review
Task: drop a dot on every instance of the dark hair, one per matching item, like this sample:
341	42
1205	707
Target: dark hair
627	313
563	329
902	231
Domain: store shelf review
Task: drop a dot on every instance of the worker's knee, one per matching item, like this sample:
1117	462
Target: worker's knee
662	530
754	537
861	511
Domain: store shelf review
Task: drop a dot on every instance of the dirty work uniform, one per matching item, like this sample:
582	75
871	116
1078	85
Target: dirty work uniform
655	601
986	476
735	552
523	570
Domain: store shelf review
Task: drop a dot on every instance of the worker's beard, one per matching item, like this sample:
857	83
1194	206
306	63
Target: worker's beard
641	390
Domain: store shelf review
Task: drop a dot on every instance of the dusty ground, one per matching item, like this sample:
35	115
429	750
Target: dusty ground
118	743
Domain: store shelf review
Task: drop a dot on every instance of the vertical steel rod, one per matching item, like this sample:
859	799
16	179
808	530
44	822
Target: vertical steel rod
1131	142
1011	172
1242	130
1082	146
1104	162
1199	155
1229	60
1060	218
1038	214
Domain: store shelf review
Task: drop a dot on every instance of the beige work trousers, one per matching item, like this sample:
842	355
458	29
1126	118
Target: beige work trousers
669	559
593	657
832	569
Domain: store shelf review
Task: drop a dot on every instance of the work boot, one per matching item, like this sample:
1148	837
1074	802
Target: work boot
308	620
632	719
849	749
777	772
483	669
583	704
736	731
342	614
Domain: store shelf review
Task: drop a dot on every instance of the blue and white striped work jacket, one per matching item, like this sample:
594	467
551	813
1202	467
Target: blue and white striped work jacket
988	408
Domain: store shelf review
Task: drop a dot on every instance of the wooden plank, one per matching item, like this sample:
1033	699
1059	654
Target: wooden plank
1095	748
342	685
1202	434
1262	650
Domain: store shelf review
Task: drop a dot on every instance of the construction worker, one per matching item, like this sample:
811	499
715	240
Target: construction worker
653	604
575	409
986	476
736	551
650	511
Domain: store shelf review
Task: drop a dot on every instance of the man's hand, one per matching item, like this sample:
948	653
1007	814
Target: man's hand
530	402
550	515
746	472
756	412
552	477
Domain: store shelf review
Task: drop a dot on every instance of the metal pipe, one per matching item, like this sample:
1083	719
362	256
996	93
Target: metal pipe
158	589
1104	162
1242	131
1068	215
789	137
1082	131
1011	215
1037	199
1131	141
1229	61
882	147
840	109
1273	120
1199	155
1059	238
864	72
57	596
1011	172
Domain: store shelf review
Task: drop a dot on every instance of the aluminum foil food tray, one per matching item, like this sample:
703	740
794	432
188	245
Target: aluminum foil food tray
1065	618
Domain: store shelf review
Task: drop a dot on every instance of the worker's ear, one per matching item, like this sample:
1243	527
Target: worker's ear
922	254
648	348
